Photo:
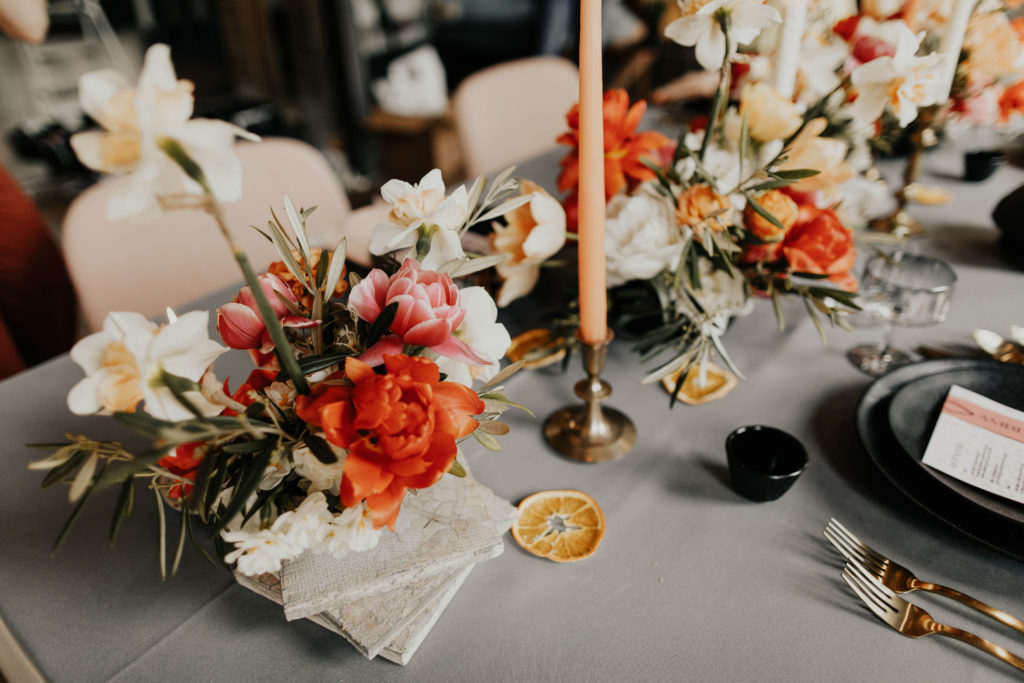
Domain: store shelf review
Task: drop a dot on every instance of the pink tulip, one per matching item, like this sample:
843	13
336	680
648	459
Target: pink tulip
240	325
429	311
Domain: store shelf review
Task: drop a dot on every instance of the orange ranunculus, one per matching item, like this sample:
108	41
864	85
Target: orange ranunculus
819	243
184	462
696	203
399	429
279	269
1011	101
624	148
779	205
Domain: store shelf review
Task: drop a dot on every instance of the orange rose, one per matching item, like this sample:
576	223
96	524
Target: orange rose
279	269
399	429
696	203
819	243
779	205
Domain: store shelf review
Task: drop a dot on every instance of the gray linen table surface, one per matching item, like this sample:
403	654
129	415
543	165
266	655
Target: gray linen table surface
691	582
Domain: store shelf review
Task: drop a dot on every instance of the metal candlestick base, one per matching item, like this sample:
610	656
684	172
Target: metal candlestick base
590	433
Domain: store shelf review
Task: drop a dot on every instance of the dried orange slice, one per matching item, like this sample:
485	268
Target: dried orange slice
561	525
719	383
537	348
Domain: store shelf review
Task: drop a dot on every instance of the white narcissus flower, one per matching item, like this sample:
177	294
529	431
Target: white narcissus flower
137	120
482	332
904	82
261	551
309	524
351	531
125	360
699	26
641	238
534	233
321	476
422	205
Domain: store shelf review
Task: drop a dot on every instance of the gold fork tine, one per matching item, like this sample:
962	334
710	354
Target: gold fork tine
851	552
871	583
867	550
879	610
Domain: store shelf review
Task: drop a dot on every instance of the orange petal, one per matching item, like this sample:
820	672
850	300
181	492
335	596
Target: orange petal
454	406
357	370
365	478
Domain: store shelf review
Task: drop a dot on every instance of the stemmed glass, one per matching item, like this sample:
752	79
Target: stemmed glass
900	289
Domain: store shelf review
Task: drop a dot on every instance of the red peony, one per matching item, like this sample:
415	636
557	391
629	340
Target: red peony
399	429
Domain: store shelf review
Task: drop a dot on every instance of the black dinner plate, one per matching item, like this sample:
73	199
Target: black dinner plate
915	409
973	515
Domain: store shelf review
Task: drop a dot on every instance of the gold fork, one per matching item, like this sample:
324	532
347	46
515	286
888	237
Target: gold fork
911	620
898	578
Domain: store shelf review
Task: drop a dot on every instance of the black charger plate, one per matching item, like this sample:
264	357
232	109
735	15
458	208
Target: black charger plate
979	515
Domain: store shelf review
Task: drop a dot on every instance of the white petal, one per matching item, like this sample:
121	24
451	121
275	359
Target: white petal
83	399
88	351
96	88
519	282
211	144
548	236
157	69
687	30
135	193
393	190
445	246
711	49
161	404
750	19
387	237
432	181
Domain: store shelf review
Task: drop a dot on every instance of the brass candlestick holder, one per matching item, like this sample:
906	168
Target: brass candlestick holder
591	433
899	223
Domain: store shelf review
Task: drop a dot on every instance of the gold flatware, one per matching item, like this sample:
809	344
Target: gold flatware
997	347
898	578
911	620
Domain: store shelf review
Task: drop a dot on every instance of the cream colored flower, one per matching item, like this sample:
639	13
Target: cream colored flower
903	82
700	26
770	116
826	155
125	360
425	206
641	238
535	232
137	120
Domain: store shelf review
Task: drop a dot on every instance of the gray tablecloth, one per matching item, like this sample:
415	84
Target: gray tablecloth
691	582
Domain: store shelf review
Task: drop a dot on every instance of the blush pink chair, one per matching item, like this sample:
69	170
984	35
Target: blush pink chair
513	111
180	256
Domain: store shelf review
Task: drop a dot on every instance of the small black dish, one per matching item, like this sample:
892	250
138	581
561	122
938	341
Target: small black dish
980	164
764	461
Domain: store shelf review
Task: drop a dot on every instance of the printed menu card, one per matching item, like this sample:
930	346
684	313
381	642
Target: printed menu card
981	442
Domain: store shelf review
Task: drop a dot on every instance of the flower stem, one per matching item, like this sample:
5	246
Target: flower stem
174	150
282	348
722	95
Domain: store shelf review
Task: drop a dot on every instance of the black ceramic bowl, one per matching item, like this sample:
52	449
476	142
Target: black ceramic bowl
764	461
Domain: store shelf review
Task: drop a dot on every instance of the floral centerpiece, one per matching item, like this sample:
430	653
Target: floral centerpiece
362	387
743	205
